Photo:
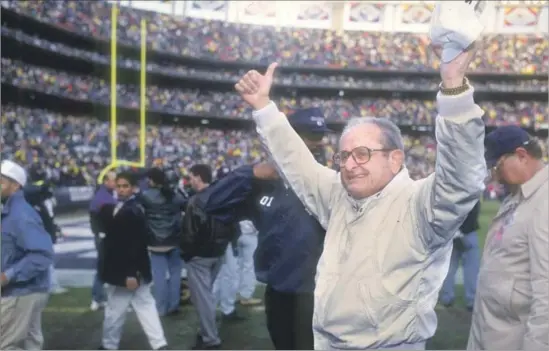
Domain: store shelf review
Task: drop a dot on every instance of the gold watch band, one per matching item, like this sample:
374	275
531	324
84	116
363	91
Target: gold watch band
457	90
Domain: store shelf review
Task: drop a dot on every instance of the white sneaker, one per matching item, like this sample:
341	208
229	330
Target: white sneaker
59	290
96	305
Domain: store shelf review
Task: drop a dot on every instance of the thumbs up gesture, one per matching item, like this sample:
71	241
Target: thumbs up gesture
255	87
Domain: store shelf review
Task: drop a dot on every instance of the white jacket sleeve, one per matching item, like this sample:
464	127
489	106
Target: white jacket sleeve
445	198
312	182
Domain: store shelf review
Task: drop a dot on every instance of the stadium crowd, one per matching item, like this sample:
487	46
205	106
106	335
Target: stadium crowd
72	150
224	41
291	79
228	104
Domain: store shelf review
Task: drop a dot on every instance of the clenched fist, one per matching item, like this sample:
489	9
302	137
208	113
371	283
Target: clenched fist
255	87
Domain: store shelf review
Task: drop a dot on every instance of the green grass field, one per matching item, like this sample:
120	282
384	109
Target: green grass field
68	324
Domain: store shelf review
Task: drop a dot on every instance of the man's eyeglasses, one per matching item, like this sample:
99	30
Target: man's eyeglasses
360	155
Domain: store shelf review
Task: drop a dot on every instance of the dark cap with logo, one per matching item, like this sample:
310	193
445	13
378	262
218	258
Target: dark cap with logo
309	120
504	140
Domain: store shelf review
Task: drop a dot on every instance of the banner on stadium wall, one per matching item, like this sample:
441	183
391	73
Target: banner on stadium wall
367	16
161	6
311	15
212	10
522	19
71	198
256	12
413	17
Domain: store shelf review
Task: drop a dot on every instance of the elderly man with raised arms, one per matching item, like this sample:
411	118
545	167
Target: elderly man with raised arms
389	238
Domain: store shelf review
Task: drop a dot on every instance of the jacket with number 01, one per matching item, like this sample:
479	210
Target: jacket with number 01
289	238
385	257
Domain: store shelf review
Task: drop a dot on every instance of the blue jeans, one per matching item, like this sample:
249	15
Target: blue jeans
98	292
166	271
469	255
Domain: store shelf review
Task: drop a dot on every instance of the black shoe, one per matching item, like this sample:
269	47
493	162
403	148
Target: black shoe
232	317
102	348
449	304
173	313
470	308
206	347
199	345
165	347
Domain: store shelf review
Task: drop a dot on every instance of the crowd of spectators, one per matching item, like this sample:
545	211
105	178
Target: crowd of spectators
291	79
72	150
525	54
229	104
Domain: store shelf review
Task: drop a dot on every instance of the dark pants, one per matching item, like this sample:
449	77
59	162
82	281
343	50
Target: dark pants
290	319
98	292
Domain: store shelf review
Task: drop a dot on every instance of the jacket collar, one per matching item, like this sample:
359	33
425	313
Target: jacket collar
530	187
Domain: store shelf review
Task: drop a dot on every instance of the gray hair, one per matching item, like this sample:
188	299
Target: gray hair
391	136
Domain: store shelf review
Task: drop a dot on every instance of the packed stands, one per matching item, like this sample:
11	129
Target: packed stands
195	102
224	41
71	148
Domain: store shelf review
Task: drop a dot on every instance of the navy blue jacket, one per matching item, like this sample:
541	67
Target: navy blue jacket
289	239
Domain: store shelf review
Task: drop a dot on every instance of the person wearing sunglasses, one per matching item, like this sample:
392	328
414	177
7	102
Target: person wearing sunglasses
389	238
511	309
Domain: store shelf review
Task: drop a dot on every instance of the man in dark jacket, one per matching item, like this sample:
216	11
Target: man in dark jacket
126	267
203	244
40	196
103	196
163	210
290	240
466	251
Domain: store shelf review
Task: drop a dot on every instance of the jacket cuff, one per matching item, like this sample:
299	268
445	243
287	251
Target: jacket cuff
458	108
268	116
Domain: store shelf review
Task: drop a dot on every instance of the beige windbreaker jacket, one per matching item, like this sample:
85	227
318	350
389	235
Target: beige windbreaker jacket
511	309
384	260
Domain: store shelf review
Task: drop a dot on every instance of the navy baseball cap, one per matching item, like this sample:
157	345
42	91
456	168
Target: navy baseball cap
309	120
504	140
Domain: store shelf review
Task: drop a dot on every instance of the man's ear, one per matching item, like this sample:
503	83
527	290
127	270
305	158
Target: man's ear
396	159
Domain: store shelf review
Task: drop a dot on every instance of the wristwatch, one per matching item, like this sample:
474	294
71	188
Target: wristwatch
457	90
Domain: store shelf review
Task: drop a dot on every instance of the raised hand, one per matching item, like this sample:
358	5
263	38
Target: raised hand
255	87
453	72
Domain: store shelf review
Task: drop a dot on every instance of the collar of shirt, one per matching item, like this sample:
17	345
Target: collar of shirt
530	187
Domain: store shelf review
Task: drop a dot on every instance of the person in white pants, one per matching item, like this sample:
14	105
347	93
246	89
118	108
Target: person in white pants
237	275
126	268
